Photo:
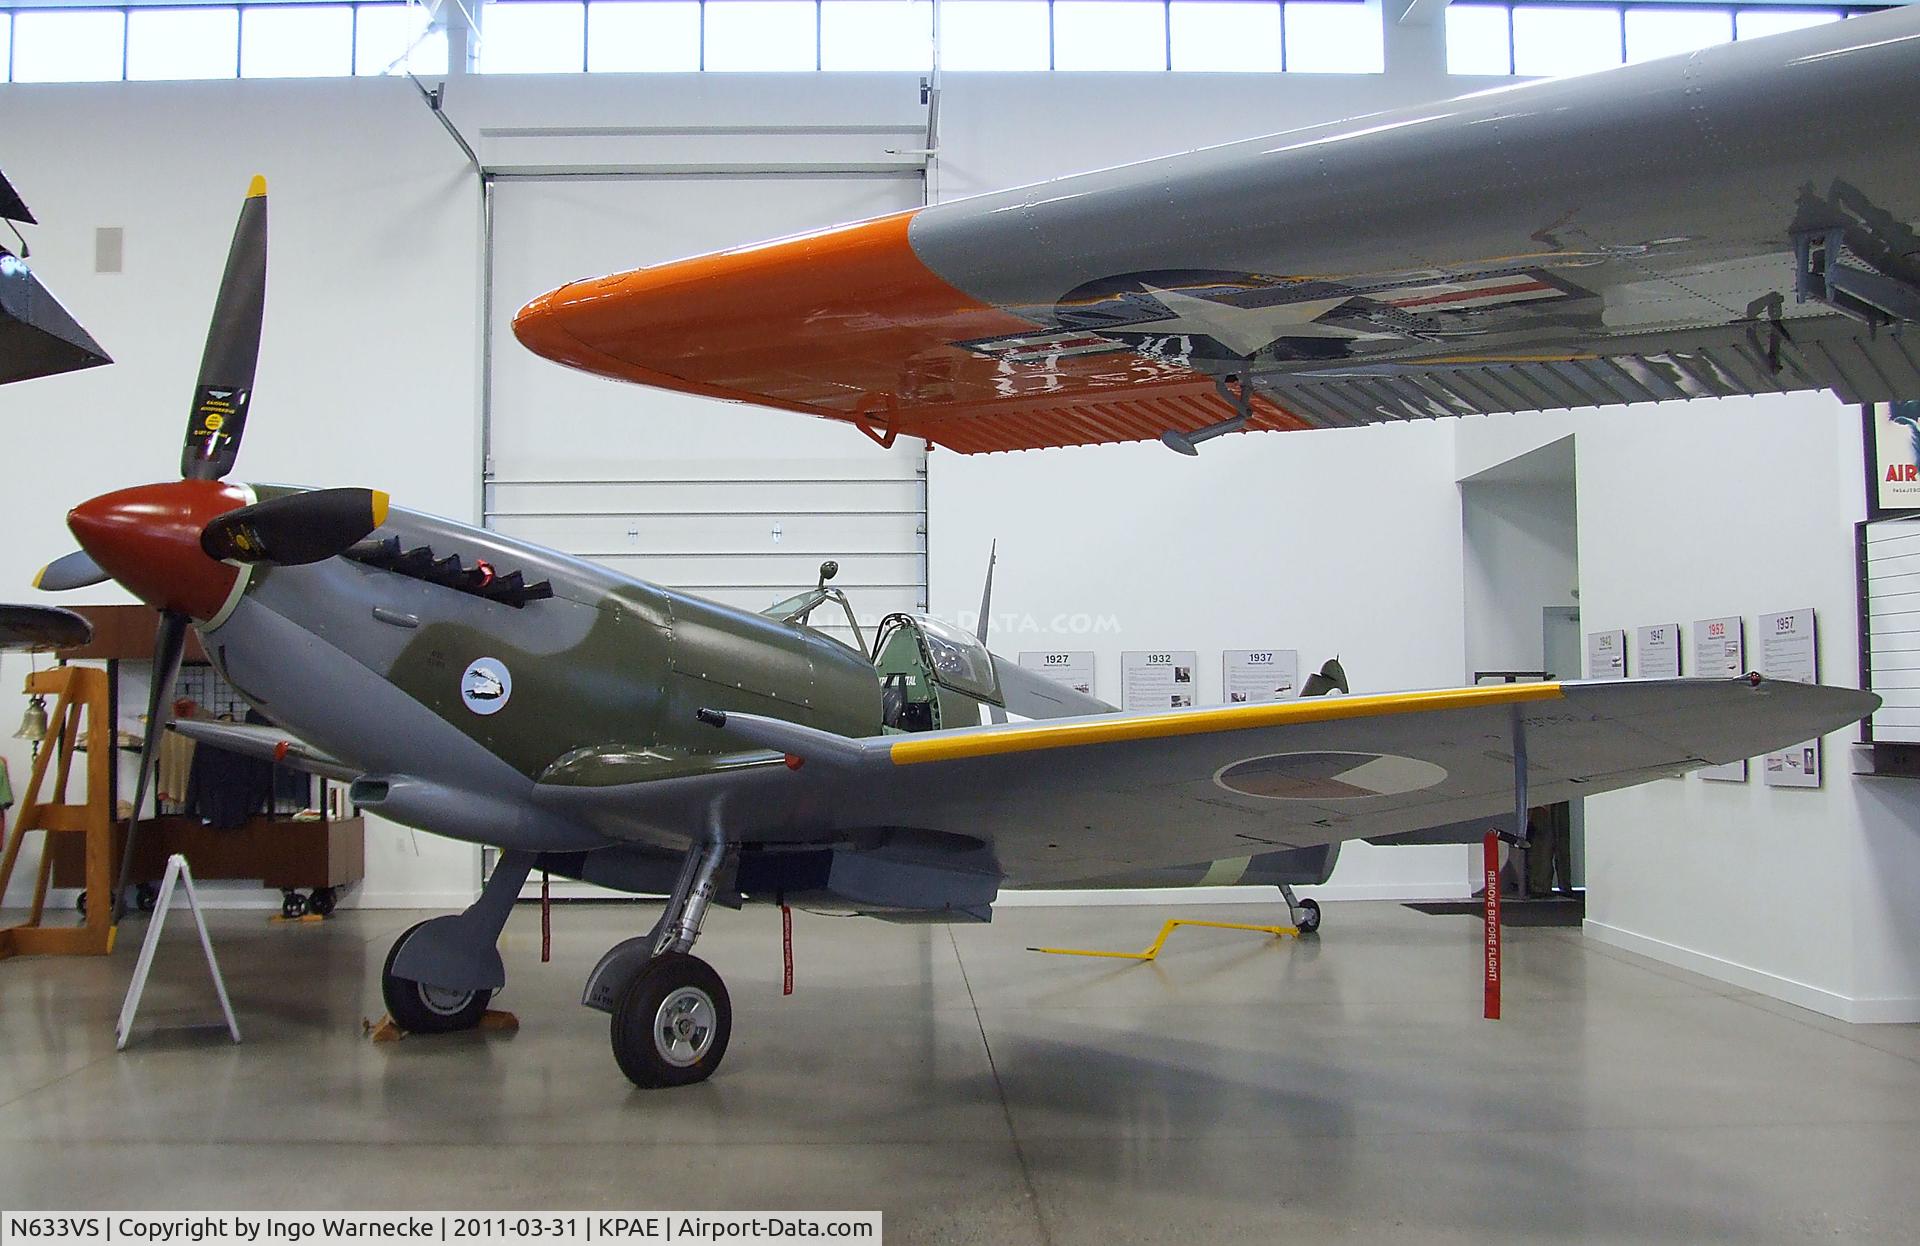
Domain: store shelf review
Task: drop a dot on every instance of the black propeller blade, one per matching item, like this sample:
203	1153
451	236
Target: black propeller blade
75	570
233	348
38	628
297	529
169	643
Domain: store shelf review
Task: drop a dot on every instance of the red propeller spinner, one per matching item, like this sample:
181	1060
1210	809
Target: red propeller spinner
148	538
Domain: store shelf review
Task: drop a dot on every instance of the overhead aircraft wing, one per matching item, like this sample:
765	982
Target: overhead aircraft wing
1099	796
1735	221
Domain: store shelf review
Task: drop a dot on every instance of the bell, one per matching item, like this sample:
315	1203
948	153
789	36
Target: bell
33	724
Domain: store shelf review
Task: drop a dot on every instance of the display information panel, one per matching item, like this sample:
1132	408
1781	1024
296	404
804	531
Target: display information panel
1156	679
1656	651
1074	667
1607	654
1254	676
1892	627
1896	458
1788	651
1720	651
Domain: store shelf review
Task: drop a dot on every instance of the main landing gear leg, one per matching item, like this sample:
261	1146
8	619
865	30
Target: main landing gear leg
441	973
1305	913
671	1014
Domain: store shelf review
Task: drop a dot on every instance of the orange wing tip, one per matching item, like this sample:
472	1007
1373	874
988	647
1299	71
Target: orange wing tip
257	188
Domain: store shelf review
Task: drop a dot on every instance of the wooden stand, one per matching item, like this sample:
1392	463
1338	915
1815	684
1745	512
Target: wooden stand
83	693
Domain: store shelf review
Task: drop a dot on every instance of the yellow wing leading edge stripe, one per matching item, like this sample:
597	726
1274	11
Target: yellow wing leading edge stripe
1122	727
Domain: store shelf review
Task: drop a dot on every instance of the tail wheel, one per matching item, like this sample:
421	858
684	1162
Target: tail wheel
420	1008
672	1023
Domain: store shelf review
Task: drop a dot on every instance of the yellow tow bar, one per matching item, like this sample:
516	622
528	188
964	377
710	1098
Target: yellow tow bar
1153	949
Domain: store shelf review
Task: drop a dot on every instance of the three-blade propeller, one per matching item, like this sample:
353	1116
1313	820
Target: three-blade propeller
291	530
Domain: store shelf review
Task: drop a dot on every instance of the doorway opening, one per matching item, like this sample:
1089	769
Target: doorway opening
1520	529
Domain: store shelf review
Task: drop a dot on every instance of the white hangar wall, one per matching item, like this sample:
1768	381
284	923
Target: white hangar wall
1738	507
1747	507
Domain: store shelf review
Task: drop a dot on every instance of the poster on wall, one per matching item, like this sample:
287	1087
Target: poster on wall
1656	651
1720	652
1255	676
1787	651
1607	654
1156	679
1895	457
1074	668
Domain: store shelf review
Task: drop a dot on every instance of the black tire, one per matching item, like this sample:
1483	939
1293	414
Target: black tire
421	1009
322	901
1309	919
293	905
682	993
145	896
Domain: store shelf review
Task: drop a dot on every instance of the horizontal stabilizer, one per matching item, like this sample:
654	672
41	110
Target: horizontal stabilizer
1030	694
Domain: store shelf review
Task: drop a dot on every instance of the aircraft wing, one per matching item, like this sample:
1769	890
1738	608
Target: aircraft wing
1105	795
1735	221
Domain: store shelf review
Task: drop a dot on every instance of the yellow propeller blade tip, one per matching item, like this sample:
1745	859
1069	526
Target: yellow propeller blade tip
379	508
257	187
40	575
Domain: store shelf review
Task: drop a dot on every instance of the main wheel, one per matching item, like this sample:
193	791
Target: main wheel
1308	919
422	1009
672	1023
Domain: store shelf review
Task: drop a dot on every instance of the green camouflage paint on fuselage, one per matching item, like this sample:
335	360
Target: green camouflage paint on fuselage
619	706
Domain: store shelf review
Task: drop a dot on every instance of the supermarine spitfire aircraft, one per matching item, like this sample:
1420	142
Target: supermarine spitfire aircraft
608	729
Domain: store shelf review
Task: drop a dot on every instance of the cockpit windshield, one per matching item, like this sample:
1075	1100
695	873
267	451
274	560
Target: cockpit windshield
959	661
799	609
796	608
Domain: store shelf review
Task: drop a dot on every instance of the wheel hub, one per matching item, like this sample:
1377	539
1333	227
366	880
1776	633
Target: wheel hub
685	1025
443	1001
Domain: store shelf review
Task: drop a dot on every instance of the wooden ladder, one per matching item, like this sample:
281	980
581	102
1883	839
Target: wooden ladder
83	694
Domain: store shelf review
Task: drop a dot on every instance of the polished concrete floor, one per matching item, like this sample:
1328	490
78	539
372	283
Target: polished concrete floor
1239	1090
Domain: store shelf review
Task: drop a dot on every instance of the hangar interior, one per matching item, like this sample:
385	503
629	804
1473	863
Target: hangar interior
1765	942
